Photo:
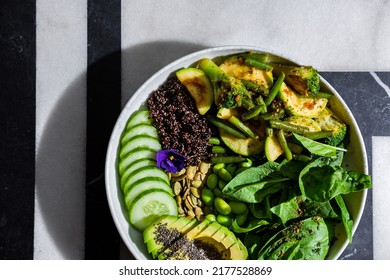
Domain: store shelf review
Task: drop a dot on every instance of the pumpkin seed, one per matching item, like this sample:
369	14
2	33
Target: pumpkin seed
190	214
197	183
194	200
191	170
204	167
176	188
188	205
195	192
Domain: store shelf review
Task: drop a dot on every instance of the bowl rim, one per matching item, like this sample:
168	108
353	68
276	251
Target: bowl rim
112	148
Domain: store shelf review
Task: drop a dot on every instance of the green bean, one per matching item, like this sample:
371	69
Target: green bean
222	206
318	134
219	150
247	163
224	220
238	207
225	175
288	126
261	57
223	125
275	89
302	158
243	127
226	159
254	112
273	115
212	181
257	64
255	87
283	144
214	141
207	197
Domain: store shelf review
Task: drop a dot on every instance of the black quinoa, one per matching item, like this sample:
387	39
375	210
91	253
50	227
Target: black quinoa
179	124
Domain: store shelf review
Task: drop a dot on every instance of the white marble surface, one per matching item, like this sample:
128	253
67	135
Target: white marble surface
331	35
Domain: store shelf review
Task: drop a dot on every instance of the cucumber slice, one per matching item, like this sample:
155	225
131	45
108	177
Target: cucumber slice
149	206
145	172
134	166
141	129
143	185
139	153
139	142
138	117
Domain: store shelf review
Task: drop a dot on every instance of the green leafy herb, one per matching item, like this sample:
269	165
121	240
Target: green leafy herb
320	182
298	207
253	224
255	183
318	148
346	218
305	240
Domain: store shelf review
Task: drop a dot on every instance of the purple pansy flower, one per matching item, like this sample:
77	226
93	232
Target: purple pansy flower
170	160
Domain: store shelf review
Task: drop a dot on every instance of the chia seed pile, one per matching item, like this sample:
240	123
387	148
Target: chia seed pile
178	122
180	247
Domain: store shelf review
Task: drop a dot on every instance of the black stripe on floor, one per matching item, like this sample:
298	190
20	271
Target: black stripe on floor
17	126
103	108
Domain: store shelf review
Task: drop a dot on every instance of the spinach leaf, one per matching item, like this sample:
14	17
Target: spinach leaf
346	218
321	183
305	240
256	192
255	183
317	148
299	207
253	224
292	168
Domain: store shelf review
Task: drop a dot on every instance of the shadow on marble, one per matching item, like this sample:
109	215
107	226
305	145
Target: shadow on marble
60	188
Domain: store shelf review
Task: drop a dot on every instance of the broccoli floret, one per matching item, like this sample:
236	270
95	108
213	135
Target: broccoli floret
304	79
228	91
337	136
328	122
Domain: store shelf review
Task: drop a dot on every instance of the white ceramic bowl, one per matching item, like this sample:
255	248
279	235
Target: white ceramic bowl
355	158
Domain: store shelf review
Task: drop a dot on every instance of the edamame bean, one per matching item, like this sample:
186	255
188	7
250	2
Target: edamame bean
212	181
217	167
247	163
231	168
217	192
240	219
222	206
225	175
207	197
221	184
210	217
238	207
224	220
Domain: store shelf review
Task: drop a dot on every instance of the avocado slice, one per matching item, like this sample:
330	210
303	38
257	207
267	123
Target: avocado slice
309	123
299	105
273	149
233	67
195	240
199	86
164	232
245	147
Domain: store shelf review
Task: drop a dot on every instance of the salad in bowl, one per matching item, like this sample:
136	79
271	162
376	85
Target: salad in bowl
236	153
